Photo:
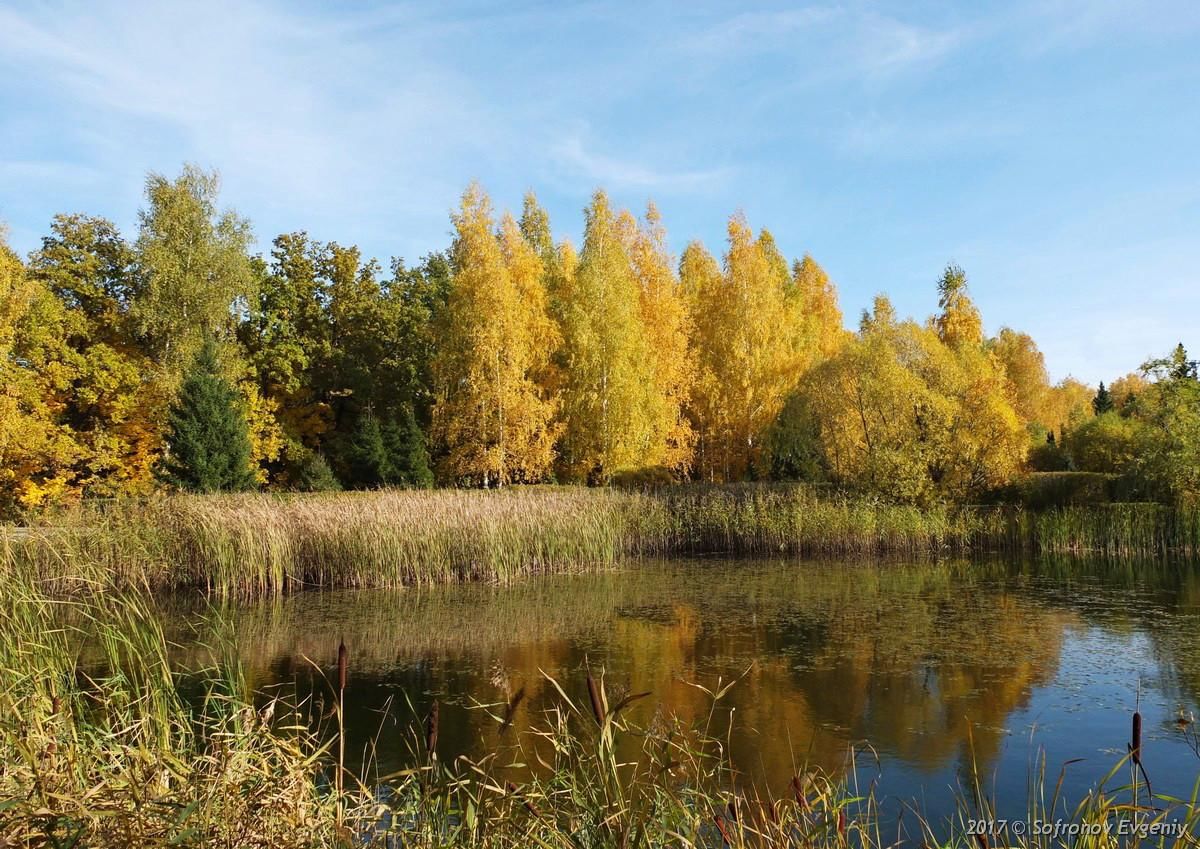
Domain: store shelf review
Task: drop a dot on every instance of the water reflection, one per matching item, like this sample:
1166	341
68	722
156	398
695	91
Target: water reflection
935	665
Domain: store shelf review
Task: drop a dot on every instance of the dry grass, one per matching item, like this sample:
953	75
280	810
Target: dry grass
254	545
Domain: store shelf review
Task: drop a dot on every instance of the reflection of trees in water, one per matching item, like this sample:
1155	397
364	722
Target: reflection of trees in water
916	659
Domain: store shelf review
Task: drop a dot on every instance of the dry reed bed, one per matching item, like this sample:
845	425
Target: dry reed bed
252	545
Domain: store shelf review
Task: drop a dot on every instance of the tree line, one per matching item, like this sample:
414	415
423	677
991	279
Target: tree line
180	359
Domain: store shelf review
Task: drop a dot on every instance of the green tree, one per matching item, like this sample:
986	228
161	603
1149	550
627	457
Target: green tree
407	459
112	409
193	269
208	441
364	454
1103	402
313	474
1169	456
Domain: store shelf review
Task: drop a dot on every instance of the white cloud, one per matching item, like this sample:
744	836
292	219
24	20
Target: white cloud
572	154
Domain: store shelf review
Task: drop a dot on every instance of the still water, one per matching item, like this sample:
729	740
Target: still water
920	668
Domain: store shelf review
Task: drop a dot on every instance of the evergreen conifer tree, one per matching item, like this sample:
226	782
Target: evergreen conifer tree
315	475
208	440
1103	402
407	459
365	455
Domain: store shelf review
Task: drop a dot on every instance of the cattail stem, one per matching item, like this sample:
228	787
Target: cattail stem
343	674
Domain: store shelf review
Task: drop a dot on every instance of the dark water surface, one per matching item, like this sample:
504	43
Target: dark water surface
923	668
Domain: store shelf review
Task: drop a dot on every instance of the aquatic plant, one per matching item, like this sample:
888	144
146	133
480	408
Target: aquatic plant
253	545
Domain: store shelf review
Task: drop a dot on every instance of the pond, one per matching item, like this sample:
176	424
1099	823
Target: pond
920	669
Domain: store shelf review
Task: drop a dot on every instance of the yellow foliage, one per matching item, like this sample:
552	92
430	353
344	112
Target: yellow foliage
820	313
902	414
750	349
491	416
610	405
668	327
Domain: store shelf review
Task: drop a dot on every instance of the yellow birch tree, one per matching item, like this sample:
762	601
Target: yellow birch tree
491	418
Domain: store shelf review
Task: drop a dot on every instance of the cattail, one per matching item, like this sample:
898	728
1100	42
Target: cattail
842	823
343	664
597	699
798	792
720	823
1135	745
431	730
733	814
529	806
511	710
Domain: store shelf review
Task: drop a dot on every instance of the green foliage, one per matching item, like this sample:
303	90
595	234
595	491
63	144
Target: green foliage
208	442
794	449
1107	442
315	475
193	268
364	454
1043	490
407	459
1169	452
1103	402
1048	456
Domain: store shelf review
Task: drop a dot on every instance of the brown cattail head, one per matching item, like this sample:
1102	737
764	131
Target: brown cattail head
842	823
528	805
343	665
511	710
1135	743
798	792
720	823
597	699
431	730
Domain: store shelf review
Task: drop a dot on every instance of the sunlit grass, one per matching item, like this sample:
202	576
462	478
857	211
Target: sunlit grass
253	545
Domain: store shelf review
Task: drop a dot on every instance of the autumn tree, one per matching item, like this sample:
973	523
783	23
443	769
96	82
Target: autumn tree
748	350
608	390
491	420
37	455
820	314
1029	383
959	322
111	407
899	413
668	329
1125	391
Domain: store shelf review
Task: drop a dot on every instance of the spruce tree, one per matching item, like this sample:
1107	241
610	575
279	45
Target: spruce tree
1103	402
314	475
407	459
208	441
365	455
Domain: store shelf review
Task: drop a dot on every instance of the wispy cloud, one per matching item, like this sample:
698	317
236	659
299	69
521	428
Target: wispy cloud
756	30
572	154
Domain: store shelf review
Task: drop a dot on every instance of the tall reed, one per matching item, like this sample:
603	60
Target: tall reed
253	545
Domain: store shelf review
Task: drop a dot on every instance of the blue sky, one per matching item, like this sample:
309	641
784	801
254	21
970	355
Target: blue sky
1051	148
